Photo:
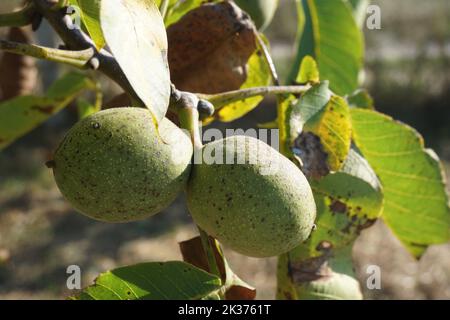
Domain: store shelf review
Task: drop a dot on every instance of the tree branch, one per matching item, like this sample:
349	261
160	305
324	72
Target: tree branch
222	99
75	39
77	59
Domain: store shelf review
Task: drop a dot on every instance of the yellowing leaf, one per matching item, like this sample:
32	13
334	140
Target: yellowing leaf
258	75
333	127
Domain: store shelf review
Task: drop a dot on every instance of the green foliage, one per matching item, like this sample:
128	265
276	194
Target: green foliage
135	33
361	99
152	281
348	201
416	203
258	75
261	11
386	173
20	115
331	36
90	16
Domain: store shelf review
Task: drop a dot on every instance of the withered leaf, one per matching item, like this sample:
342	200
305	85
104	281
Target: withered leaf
209	48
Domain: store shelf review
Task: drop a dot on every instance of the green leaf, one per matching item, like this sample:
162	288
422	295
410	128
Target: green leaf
85	108
233	287
90	15
325	116
309	71
361	99
333	127
20	115
313	102
359	8
135	33
331	36
177	9
348	201
416	203
173	280
258	76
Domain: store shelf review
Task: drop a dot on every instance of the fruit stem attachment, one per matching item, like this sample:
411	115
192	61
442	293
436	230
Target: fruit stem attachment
222	99
77	59
186	105
19	18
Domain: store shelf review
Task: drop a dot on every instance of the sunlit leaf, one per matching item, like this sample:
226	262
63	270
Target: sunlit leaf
173	280
361	99
332	37
90	15
135	33
309	71
258	75
416	203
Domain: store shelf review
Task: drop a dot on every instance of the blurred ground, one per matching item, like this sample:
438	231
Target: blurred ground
40	235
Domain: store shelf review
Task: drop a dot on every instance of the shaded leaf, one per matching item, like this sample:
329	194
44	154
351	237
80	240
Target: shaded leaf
20	115
135	33
86	108
331	36
416	203
234	287
173	280
361	99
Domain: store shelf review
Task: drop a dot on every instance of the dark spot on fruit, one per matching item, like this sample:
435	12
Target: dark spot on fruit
95	125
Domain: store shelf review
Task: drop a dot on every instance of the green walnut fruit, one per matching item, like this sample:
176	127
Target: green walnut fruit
115	166
335	286
261	11
250	197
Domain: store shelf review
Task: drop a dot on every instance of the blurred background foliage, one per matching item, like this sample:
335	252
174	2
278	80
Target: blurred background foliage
407	72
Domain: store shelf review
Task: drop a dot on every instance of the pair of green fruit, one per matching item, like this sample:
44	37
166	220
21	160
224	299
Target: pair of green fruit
115	166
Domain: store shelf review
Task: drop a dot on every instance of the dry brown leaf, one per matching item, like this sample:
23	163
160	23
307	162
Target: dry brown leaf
209	48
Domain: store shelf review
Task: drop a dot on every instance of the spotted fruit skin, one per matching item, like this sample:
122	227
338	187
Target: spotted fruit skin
259	209
113	166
